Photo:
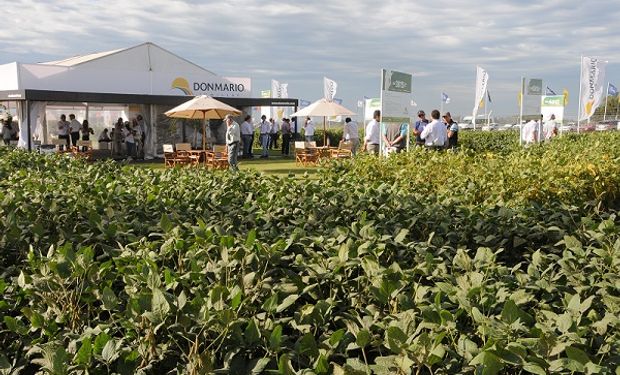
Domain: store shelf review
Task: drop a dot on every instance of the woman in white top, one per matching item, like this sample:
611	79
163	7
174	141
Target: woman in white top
309	129
130	141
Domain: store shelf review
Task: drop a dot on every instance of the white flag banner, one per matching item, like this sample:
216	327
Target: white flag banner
276	90
284	90
329	88
482	78
592	86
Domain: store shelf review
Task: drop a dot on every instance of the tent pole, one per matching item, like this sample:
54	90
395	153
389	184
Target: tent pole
29	127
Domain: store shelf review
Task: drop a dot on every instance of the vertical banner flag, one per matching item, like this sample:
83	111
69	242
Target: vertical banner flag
396	89
565	94
329	88
612	90
550	92
275	89
445	98
482	79
489	96
592	83
532	89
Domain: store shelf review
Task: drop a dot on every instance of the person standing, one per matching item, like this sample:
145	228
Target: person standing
86	132
309	129
265	129
419	127
435	134
141	128
117	137
130	140
550	129
74	126
286	136
233	137
395	136
529	134
63	130
351	134
453	130
6	132
274	134
247	134
371	141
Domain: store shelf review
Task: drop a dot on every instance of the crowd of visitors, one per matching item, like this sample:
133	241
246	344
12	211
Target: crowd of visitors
131	135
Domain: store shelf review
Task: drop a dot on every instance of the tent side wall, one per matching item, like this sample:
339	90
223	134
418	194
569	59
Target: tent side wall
9	77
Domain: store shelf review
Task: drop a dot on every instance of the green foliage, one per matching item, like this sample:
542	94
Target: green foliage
482	261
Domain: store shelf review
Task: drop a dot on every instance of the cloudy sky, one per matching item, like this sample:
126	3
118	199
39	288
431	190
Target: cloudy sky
299	42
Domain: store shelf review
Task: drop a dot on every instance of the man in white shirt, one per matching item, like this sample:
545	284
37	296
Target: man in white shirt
529	134
233	137
265	129
435	134
309	130
63	129
247	133
550	129
371	141
74	126
351	134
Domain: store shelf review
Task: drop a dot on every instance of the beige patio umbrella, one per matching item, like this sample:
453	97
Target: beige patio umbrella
325	108
202	107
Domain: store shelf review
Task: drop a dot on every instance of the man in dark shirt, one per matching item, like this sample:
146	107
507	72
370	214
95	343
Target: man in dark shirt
419	127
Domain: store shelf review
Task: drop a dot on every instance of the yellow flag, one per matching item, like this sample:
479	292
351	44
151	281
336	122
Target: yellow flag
519	98
565	93
481	103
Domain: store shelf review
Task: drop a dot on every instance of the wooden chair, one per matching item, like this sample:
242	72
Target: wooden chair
218	158
344	151
171	159
306	153
183	150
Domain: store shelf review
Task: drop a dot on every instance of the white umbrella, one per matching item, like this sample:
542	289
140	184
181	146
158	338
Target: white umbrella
202	107
325	108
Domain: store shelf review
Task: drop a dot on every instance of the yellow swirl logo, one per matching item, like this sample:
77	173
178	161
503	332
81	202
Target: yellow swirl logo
183	85
589	105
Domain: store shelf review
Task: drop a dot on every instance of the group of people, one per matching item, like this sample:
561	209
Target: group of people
132	134
269	133
436	134
71	130
533	132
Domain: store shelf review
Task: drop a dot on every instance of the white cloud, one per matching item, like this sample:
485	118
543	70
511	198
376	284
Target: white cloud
300	41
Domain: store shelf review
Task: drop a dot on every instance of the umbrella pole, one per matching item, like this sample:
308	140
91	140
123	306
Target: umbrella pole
324	132
204	130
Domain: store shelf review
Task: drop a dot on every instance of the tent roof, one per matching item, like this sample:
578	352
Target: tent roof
107	55
79	59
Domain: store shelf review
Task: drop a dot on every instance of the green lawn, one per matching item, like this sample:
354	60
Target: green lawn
276	164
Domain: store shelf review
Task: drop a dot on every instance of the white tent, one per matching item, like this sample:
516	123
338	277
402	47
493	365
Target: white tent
145	75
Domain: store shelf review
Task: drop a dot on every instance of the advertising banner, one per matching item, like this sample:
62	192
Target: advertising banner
532	89
482	80
396	90
592	86
552	105
370	106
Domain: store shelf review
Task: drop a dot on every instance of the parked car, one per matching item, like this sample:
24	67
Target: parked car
606	125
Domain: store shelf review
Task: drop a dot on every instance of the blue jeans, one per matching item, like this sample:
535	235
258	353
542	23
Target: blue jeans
264	141
233	151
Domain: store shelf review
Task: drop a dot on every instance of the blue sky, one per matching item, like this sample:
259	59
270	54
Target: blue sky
299	42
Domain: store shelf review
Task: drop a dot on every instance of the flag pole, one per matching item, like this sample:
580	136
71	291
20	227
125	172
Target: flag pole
579	110
521	111
441	104
606	97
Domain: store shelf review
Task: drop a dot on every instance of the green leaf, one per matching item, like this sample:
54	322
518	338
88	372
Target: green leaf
574	305
251	334
251	239
271	304
490	363
396	339
110	351
181	300
400	237
534	369
577	355
110	301
275	339
159	304
84	355
259	365
307	346
564	322
100	342
321	366
4	362
165	223
288	301
336	337
284	366
363	338
511	312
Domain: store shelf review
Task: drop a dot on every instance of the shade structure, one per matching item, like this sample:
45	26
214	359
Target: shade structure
202	107
325	108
